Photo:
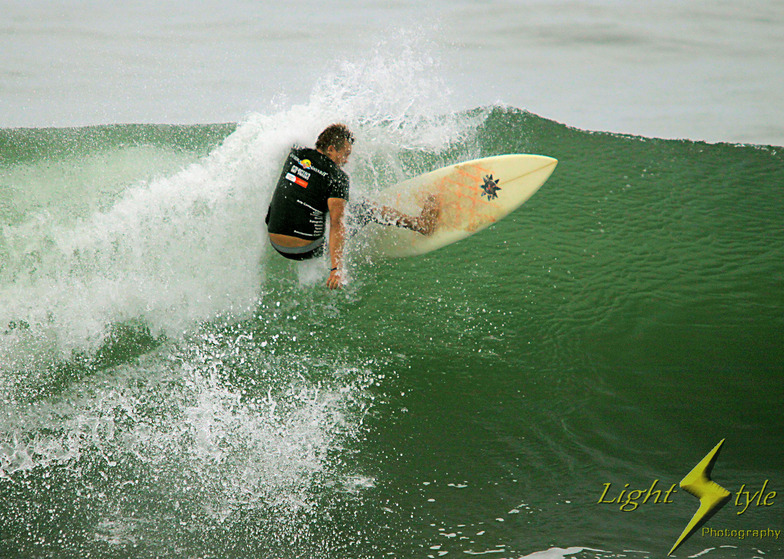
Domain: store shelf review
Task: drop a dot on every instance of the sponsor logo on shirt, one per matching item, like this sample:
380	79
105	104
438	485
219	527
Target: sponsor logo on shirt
300	172
297	180
298	176
309	165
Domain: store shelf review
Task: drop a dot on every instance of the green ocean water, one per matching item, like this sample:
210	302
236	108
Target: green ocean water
172	388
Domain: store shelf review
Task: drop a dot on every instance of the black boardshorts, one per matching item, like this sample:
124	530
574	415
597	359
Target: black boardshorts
310	250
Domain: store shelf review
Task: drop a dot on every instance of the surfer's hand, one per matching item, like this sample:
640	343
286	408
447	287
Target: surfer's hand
335	280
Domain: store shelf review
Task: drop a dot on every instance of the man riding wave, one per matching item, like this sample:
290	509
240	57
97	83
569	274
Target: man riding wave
313	185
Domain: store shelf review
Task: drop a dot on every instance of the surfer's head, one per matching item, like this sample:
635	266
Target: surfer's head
335	142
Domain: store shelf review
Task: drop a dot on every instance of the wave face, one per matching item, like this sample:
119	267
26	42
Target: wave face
170	387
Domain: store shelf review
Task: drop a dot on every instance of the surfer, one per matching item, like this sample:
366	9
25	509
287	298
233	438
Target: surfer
312	185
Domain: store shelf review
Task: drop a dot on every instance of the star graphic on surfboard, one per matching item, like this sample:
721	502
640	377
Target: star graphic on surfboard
490	187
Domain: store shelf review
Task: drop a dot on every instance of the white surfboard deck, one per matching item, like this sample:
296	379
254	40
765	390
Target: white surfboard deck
472	196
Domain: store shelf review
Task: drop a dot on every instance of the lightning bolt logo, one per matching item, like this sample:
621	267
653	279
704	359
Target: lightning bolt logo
712	496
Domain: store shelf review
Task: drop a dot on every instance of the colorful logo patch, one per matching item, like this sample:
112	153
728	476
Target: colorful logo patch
305	163
297	180
490	187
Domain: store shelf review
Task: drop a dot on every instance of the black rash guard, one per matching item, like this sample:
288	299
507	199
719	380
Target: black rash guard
299	204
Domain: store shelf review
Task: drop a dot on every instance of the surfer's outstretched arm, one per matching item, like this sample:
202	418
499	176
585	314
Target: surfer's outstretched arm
337	237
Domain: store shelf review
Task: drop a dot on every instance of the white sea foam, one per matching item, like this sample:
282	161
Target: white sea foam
170	418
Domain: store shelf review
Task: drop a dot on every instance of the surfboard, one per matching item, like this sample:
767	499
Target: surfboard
472	196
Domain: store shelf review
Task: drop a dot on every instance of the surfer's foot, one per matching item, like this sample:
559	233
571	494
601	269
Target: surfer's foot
428	219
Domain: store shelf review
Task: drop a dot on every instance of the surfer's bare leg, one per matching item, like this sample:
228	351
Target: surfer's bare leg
425	223
429	217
